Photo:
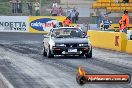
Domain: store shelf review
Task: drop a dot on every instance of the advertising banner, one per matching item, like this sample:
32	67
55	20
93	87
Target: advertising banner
42	24
14	24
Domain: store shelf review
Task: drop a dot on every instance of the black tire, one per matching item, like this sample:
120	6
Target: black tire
49	54
89	55
44	52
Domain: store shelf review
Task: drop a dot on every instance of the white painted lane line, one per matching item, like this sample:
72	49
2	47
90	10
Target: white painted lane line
7	83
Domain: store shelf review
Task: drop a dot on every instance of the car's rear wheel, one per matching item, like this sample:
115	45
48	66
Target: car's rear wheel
89	55
49	54
44	52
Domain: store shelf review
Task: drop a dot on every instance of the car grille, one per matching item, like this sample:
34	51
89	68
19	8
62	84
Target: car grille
72	45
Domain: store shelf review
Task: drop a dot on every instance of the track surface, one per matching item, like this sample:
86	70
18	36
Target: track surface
23	65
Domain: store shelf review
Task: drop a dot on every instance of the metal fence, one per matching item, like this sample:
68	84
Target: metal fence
10	9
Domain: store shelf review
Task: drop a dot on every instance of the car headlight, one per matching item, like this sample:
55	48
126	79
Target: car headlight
60	45
83	44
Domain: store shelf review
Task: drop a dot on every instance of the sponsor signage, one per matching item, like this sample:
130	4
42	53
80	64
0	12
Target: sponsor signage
42	24
82	77
31	24
14	24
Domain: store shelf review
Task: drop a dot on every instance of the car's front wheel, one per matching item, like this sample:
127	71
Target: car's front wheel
89	55
49	54
44	52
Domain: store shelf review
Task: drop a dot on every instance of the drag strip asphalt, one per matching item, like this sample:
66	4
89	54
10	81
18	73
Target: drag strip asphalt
23	65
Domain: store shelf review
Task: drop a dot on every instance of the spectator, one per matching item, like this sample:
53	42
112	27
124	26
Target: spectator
77	16
58	24
106	23
116	1
120	22
67	22
60	11
55	4
125	1
99	17
73	16
30	7
68	14
37	8
19	6
54	11
124	22
14	6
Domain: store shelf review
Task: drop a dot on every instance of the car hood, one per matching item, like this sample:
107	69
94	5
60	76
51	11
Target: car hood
70	40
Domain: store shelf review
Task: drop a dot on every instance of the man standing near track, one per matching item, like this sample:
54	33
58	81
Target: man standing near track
124	22
67	22
106	22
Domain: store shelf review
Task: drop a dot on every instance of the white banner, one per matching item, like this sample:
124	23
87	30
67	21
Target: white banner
14	24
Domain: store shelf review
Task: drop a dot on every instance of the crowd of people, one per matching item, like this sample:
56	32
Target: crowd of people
36	5
17	7
58	11
73	15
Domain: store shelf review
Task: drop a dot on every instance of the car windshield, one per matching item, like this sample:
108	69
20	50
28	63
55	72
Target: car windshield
67	32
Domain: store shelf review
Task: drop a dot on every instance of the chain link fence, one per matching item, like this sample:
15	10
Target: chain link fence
24	9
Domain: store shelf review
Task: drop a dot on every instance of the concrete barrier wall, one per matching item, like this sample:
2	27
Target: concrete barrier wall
129	46
108	40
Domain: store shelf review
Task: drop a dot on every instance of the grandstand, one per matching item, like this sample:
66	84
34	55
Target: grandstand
111	5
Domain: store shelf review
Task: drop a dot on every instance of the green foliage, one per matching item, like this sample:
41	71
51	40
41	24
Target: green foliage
5	6
4	0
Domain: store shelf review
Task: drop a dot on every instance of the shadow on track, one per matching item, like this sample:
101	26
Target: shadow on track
69	57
